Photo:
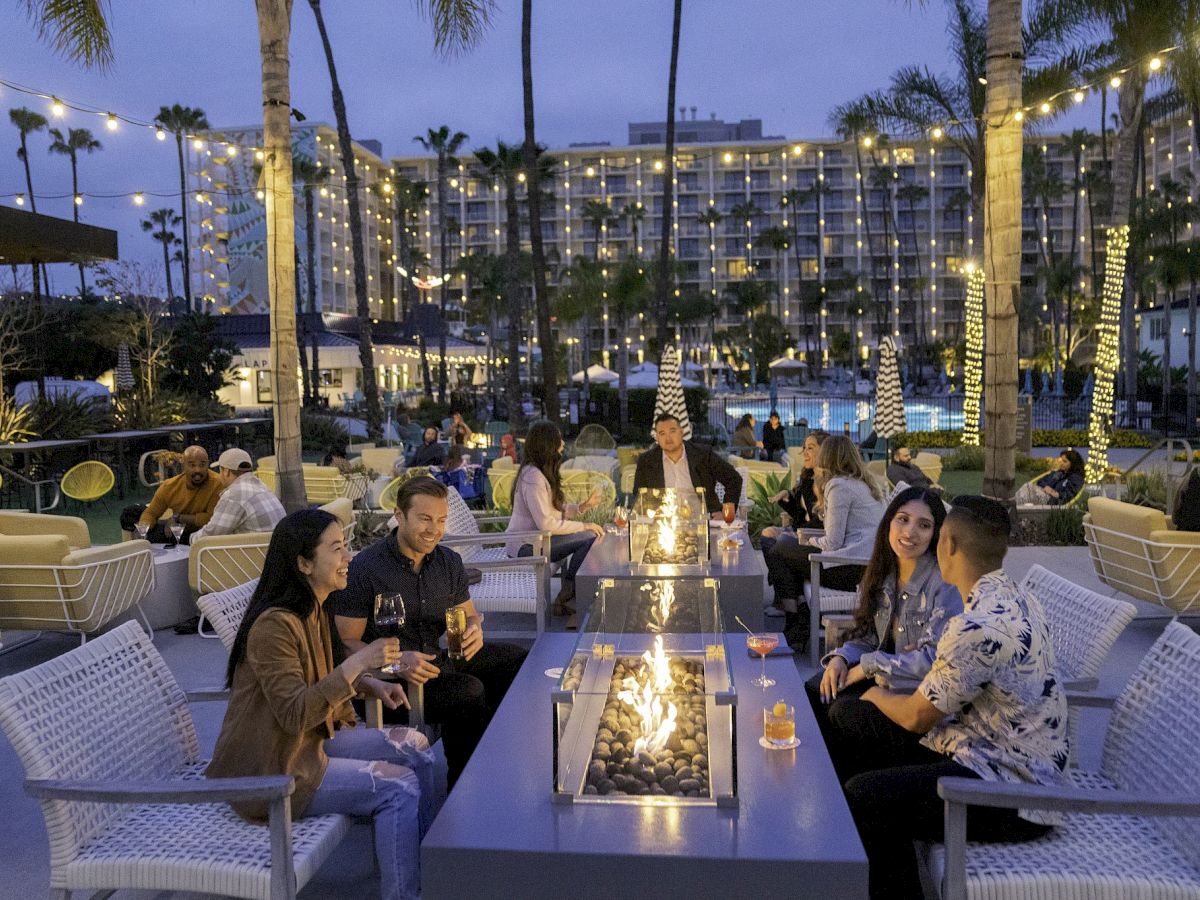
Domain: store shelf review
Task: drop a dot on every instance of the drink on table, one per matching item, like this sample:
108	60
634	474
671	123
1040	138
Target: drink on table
762	643
730	513
779	724
456	626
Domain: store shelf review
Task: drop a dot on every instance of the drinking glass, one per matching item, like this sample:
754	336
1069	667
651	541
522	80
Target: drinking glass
729	511
620	516
389	613
762	643
142	530
456	626
177	530
779	725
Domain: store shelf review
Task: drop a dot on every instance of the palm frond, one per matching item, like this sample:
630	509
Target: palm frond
458	25
77	29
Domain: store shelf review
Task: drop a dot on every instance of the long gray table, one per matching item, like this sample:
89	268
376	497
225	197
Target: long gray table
499	835
742	574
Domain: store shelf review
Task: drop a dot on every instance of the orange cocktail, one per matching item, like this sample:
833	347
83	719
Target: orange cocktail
762	643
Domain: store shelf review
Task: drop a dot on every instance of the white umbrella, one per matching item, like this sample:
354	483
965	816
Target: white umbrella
787	364
889	396
670	392
597	373
124	377
651	379
479	377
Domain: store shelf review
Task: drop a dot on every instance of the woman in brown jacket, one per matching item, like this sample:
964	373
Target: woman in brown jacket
290	710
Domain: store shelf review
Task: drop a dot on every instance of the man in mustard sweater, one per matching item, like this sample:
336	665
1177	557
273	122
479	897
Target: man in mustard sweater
191	495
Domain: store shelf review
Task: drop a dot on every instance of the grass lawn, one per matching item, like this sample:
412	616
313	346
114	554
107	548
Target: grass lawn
970	482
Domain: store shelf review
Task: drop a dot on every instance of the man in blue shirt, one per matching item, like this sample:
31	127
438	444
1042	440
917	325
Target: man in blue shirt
460	695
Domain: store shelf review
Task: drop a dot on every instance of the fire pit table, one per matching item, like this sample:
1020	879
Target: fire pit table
501	834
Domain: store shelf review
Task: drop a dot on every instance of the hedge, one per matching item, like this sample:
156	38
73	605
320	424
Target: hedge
1042	437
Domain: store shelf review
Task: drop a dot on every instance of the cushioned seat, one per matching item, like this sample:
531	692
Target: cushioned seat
74	528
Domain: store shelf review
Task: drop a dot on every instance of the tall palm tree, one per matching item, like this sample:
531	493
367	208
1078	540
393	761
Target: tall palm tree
580	298
409	197
635	213
711	218
366	342
1135	29
159	225
27	122
663	284
529	154
501	167
748	299
601	217
308	175
444	144
911	194
1042	186
182	121
76	141
1191	263
792	201
776	239
632	290
274	33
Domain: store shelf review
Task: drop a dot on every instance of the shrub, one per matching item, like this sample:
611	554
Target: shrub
963	459
16	422
641	408
67	416
1064	525
319	431
1147	489
764	512
1042	437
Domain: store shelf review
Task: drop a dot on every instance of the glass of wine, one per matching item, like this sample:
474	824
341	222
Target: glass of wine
620	516
177	530
762	643
142	530
729	511
389	619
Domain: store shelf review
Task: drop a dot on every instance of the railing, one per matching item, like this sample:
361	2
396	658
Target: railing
33	487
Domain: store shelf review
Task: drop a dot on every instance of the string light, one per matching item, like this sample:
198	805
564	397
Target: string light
111	122
20	198
973	365
160	134
1107	353
139	199
56	107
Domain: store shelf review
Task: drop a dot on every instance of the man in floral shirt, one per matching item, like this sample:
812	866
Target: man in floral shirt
991	707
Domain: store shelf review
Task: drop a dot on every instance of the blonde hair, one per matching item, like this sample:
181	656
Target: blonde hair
839	458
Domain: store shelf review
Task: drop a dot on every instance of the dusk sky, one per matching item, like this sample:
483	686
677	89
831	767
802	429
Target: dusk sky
597	66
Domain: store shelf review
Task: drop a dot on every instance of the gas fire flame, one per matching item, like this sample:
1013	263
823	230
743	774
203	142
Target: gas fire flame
644	694
661	611
668	521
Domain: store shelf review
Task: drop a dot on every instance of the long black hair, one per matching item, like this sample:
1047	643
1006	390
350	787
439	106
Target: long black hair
282	584
884	564
542	445
1074	461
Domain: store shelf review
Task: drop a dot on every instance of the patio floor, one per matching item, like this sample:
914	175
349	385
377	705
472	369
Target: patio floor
198	663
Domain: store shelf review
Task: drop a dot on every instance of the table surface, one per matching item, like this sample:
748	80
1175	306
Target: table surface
500	835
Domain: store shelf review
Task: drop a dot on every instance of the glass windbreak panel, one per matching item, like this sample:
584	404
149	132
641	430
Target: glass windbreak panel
669	527
644	711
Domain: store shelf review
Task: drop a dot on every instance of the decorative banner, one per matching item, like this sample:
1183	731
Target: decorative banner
973	365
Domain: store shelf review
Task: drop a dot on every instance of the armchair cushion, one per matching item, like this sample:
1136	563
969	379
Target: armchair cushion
75	529
221	561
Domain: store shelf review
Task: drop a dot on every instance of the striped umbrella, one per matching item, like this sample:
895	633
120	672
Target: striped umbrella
124	378
670	392
889	397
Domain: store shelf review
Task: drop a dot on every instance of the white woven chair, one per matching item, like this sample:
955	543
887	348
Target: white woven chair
110	751
823	600
509	585
1132	829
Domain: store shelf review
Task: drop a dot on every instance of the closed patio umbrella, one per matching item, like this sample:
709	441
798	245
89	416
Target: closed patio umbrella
889	396
670	392
124	375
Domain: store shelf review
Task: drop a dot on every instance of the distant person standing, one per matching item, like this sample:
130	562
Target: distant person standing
745	444
774	442
460	431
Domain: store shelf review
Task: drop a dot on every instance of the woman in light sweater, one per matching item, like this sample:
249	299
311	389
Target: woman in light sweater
538	505
851	505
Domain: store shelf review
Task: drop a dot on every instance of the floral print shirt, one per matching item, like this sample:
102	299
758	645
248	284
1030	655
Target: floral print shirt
994	677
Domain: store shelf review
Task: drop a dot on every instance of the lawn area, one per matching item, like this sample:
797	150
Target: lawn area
970	482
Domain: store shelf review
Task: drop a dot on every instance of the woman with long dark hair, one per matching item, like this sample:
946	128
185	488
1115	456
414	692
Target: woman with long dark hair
903	606
1058	486
744	443
538	505
290	713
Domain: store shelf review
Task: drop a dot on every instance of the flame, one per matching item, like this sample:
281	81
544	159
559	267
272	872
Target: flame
668	521
666	536
666	598
644	696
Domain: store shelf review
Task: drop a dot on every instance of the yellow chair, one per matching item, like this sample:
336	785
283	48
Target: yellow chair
87	481
27	523
387	497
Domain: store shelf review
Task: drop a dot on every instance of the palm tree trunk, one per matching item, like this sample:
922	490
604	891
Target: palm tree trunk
75	216
444	251
1191	373
664	280
1168	306
274	30
512	288
183	213
32	198
366	344
310	271
533	181
623	378
1129	309
1002	259
167	268
305	383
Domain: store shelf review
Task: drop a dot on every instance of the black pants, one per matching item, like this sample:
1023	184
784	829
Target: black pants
788	569
463	699
890	781
820	709
158	533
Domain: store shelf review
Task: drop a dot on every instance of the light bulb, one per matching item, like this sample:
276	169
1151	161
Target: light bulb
1155	64
232	150
20	198
159	133
1115	81
79	199
1045	107
138	199
112	122
56	107
1077	96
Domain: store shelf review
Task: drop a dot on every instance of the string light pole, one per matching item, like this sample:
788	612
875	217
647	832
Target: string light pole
973	364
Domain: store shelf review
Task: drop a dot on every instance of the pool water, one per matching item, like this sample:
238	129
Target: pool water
835	413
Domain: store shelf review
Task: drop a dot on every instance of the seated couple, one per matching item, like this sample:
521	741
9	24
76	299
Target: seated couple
930	686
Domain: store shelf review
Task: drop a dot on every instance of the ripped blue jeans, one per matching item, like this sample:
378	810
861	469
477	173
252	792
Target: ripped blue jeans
386	774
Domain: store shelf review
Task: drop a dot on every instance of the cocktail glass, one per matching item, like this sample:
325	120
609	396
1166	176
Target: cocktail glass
779	724
762	643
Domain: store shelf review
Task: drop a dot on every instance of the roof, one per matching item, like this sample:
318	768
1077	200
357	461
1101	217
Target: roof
27	237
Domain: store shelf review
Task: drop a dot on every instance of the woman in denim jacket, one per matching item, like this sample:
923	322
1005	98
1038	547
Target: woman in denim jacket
903	606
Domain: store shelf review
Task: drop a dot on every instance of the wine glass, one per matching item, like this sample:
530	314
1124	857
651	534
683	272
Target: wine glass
729	512
177	530
389	618
762	643
142	530
620	516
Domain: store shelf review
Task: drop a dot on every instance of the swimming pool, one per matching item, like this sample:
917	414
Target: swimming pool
835	413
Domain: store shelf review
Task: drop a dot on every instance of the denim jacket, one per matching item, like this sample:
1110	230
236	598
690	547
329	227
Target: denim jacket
922	612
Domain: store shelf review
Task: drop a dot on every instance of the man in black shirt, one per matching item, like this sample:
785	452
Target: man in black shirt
460	695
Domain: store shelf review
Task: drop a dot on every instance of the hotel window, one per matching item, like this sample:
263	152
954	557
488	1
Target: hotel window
262	382
735	268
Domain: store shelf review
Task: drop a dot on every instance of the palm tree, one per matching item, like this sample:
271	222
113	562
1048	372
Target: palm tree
366	343
308	174
912	194
409	197
600	216
1042	187
632	290
28	122
529	154
663	285
580	298
776	239
748	298
635	213
1136	29
182	121
77	140
159	224
444	144
274	32
501	167
1191	262
745	213
711	218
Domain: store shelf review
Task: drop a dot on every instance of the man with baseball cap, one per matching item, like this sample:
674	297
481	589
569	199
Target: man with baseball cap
246	504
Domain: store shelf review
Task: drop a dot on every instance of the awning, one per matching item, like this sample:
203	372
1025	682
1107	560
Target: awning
28	237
